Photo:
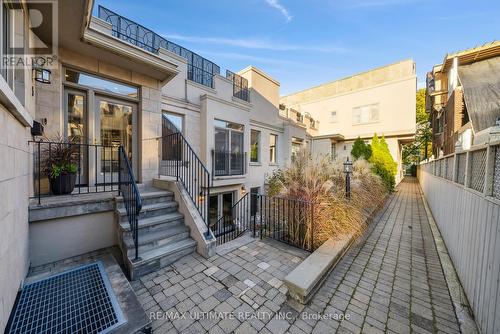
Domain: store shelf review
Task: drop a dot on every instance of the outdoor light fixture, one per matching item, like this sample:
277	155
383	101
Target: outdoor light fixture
201	196
348	172
243	190
41	74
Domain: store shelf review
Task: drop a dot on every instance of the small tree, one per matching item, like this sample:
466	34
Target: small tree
382	162
361	150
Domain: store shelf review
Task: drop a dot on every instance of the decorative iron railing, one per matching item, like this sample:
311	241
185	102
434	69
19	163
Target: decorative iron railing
178	159
131	197
83	168
284	219
200	70
287	220
229	227
240	86
228	163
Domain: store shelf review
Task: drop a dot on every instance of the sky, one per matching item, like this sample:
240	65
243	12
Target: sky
306	43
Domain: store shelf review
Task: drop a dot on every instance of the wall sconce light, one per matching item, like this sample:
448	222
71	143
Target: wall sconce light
243	190
201	196
41	74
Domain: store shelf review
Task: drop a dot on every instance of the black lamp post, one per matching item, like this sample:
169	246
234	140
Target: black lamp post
348	171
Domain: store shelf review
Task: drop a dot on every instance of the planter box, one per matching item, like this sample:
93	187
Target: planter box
307	278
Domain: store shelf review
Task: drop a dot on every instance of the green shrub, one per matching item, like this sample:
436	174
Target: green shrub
361	150
382	162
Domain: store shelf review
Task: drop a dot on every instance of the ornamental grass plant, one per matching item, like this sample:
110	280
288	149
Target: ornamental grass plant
322	181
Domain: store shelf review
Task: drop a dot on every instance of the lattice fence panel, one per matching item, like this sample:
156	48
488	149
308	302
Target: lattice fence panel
439	169
461	164
449	168
496	174
478	170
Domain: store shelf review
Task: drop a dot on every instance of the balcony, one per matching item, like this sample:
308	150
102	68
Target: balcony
228	163
200	70
240	86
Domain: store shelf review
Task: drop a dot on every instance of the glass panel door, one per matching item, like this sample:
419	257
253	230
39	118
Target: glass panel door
113	129
77	121
221	158
237	155
227	204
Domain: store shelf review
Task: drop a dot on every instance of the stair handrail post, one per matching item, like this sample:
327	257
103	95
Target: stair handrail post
177	139
120	171
207	201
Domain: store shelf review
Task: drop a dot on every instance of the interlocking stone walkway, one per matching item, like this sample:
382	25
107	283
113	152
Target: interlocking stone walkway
390	281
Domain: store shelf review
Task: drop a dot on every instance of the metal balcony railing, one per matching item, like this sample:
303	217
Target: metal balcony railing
240	86
228	163
200	70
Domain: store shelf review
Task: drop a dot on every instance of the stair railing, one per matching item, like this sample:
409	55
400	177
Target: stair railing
240	220
131	197
178	159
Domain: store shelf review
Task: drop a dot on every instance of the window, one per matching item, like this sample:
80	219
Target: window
333	117
176	119
333	150
273	142
88	80
254	146
171	123
365	114
297	144
229	158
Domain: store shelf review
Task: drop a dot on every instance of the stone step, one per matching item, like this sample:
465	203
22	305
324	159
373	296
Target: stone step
150	240
160	257
150	197
150	210
156	223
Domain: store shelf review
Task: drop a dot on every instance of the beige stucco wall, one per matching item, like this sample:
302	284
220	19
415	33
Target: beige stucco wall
61	238
396	102
14	179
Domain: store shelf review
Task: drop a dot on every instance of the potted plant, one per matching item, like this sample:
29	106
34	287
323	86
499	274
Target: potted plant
60	159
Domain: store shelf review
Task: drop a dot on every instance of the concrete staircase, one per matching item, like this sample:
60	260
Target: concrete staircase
163	236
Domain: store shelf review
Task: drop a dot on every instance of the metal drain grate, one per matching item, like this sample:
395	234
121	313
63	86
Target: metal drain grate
79	300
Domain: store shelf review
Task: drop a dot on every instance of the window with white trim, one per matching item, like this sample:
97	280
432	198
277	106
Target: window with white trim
366	114
333	117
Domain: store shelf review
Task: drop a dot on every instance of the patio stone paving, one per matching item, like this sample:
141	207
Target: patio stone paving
390	281
221	294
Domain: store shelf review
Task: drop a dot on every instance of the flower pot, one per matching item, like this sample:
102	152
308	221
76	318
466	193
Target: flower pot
63	184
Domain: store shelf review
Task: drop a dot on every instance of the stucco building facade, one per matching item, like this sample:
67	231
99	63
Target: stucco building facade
380	101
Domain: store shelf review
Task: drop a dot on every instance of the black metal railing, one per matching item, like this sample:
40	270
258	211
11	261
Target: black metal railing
228	163
178	159
285	219
229	227
200	70
131	197
64	168
240	86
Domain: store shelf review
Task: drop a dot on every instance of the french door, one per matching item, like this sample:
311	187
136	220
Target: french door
101	122
114	126
220	206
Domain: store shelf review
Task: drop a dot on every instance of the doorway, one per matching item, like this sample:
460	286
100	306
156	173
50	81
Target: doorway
100	115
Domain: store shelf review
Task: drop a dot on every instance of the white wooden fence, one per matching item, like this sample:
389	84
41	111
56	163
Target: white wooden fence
463	193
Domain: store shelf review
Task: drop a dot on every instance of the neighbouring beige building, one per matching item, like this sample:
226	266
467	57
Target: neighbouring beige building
380	101
108	89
